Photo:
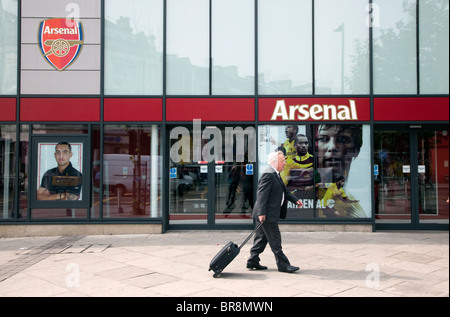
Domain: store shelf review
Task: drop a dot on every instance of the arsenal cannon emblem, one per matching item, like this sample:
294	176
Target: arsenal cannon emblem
60	41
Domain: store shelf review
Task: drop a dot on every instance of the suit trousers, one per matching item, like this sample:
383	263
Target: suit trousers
268	233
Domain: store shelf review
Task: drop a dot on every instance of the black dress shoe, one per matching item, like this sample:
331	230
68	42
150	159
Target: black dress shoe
289	269
256	267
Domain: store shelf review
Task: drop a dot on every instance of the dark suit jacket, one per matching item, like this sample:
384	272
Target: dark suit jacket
269	196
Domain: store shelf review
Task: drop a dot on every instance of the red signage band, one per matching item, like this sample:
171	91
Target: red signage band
7	109
411	109
137	109
314	109
210	109
60	109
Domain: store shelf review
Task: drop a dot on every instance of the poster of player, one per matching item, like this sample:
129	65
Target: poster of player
59	176
327	166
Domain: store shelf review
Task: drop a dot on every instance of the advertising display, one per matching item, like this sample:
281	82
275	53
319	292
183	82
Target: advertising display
61	177
328	167
59	166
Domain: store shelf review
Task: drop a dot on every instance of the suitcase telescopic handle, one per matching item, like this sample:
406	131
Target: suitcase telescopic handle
251	234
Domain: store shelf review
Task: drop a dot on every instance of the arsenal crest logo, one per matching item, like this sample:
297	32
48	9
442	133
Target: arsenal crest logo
60	41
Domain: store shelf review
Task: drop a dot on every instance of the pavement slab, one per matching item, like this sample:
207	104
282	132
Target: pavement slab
175	265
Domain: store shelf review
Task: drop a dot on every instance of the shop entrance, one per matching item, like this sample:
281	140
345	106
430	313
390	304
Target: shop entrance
411	177
210	177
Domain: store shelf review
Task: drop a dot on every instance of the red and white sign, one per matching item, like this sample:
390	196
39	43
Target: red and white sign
314	109
60	41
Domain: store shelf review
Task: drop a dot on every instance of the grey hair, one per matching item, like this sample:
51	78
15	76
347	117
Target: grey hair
273	156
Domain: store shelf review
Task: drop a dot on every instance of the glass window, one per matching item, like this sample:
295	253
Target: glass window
284	47
188	47
433	157
327	167
132	170
24	154
8	47
8	146
341	47
60	129
343	162
133	47
96	172
433	41
394	48
233	53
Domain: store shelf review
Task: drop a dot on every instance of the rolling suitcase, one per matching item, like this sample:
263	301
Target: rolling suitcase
227	254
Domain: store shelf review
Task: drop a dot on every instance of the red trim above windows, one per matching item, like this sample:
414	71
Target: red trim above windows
7	109
227	109
210	109
133	109
60	109
314	109
411	109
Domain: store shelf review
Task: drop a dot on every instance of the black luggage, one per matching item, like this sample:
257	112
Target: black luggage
227	254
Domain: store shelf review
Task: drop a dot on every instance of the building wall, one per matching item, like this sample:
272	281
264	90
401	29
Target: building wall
146	67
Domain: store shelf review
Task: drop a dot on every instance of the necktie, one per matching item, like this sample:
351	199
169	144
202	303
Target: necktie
280	179
282	185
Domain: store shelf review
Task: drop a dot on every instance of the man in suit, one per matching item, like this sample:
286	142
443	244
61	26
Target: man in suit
270	205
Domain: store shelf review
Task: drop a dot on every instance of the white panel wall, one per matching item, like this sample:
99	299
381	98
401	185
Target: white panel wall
38	76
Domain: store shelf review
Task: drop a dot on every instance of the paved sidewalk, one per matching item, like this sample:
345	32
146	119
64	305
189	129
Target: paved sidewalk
175	264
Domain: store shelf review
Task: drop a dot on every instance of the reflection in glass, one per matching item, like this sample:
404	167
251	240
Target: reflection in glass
188	182
284	47
23	170
131	171
8	47
60	129
433	157
66	213
225	184
394	48
434	46
393	182
8	146
233	182
133	47
341	47
95	172
187	47
233	50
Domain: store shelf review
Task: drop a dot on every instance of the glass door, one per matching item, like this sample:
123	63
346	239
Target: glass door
234	193
433	175
411	177
392	176
210	177
188	193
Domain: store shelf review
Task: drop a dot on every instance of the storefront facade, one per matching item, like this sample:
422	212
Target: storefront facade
170	108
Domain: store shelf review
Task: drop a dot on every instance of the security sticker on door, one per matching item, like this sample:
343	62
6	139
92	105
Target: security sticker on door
173	172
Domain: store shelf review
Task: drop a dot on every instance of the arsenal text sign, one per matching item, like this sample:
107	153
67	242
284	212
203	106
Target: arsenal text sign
314	109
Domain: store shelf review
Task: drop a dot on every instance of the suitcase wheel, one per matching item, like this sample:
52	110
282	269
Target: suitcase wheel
217	273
